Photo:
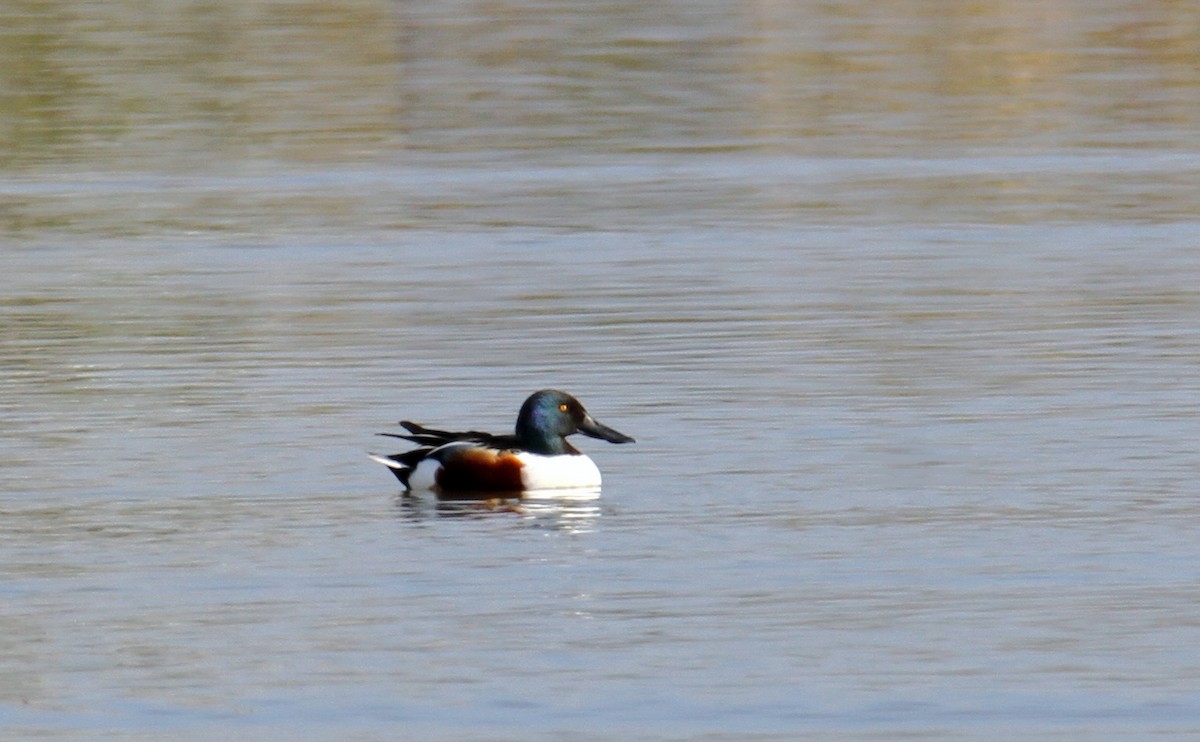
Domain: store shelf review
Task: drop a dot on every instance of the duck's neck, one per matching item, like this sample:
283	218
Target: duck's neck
540	442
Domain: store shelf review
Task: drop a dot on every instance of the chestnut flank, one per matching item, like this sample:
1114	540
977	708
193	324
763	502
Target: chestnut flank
480	469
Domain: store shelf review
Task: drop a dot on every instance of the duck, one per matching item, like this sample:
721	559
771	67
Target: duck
536	456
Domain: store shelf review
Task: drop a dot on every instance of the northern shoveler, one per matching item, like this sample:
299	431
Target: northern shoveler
537	456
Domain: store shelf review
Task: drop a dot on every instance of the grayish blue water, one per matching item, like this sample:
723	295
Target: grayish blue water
900	301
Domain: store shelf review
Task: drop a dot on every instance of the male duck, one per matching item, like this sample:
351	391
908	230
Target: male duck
537	456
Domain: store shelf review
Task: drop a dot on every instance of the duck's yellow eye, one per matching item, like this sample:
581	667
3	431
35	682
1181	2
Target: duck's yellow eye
562	408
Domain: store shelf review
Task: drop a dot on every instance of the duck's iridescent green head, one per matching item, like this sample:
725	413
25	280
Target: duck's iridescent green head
549	416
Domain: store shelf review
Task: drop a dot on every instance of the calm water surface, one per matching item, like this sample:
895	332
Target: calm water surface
900	302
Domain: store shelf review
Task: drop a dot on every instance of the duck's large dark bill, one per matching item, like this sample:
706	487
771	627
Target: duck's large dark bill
603	432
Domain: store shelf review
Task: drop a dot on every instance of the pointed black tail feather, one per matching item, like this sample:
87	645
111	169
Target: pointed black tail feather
401	464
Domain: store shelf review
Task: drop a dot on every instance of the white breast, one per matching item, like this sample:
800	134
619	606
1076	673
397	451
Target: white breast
557	472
